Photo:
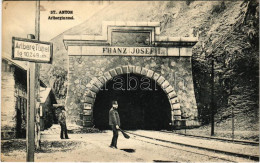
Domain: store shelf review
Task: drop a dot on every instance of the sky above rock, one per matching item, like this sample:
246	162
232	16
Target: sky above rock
18	18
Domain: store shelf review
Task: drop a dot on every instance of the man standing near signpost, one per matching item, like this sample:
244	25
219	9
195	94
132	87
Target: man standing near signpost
62	122
33	51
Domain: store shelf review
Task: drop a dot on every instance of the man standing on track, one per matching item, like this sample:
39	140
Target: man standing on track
114	122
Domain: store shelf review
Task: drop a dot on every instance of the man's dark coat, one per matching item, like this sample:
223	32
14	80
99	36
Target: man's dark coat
114	117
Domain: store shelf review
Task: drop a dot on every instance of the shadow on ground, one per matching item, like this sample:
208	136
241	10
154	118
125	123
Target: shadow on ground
128	150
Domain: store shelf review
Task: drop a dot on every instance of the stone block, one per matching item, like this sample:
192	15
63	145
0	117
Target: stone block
156	76
165	84
160	80
87	112
172	95
173	52
125	69
177	112
102	79
137	70
174	100
89	100
154	24
98	83
91	94
108	76
119	71
157	30
144	71
176	106
150	73
186	51
88	106
94	89
113	72
74	50
177	124
131	68
177	117
87	118
169	89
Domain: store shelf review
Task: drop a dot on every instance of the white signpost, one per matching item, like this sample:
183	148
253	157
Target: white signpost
31	50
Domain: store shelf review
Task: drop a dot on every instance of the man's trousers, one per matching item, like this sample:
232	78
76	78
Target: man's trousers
115	136
63	131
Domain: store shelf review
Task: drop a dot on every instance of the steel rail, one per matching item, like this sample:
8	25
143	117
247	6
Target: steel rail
216	138
247	156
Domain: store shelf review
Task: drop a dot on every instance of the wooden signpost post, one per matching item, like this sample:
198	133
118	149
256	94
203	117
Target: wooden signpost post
33	51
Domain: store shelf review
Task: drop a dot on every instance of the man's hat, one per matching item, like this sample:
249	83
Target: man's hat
114	103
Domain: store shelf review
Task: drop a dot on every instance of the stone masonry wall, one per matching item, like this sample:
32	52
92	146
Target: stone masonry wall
176	70
8	100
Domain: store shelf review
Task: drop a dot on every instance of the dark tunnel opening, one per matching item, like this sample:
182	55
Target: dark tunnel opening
142	103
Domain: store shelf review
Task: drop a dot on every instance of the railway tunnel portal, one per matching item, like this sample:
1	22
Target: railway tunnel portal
150	76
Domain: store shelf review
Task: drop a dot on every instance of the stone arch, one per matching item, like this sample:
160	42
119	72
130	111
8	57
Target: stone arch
97	83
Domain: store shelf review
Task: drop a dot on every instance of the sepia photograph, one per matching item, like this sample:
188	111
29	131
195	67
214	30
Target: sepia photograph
130	81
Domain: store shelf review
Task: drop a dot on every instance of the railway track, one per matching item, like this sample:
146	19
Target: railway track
220	139
168	144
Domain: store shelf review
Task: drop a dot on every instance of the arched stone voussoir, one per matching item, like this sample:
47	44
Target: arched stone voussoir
165	84
156	76
94	89
89	100
176	112
91	94
131	68
144	71
125	69
169	89
102	79
119	70
108	76
176	106
174	100
113	72
150	73
97	83
137	70
176	117
87	105
160	80
171	94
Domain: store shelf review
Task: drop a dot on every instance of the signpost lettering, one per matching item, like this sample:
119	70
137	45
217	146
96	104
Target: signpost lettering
31	50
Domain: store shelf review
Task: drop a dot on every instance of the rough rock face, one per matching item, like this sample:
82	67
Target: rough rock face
83	69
